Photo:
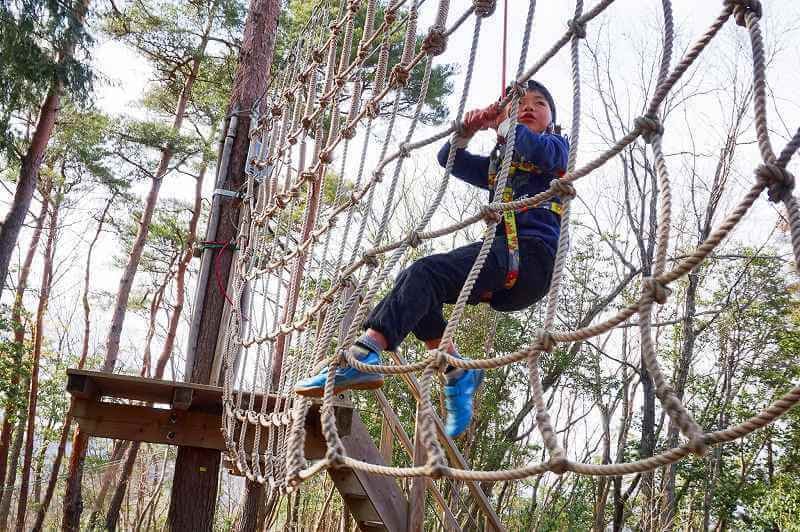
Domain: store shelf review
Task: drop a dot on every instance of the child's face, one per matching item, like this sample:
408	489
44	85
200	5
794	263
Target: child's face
534	111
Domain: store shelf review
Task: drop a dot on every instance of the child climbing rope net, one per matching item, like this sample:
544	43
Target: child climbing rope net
531	190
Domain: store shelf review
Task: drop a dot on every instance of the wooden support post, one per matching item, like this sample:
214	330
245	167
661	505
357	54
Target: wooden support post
194	492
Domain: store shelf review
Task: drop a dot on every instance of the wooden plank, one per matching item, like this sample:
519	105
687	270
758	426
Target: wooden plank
80	385
455	456
186	428
197	397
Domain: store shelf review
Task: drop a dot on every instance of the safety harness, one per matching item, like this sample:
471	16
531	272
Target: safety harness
509	216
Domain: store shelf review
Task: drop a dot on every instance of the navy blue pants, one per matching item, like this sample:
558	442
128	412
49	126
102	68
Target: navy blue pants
415	302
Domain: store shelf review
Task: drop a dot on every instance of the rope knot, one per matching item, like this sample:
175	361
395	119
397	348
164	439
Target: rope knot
563	189
434	470
349	132
307	122
317	57
399	76
377	176
326	156
353	6
490	215
308	176
558	465
372	109
335	457
288	96
484	8
778	180
390	16
370	259
659	292
292	139
578	28
546	340
277	110
649	126
742	7
698	444
340	81
438	360
435	42
413	239
403	150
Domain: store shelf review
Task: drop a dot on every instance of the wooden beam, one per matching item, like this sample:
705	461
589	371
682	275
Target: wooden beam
182	398
170	427
80	385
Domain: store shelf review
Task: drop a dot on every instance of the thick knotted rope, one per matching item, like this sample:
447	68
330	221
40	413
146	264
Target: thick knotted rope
300	105
778	180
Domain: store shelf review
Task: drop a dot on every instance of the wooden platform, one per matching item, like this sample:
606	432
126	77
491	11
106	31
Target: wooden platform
190	415
169	412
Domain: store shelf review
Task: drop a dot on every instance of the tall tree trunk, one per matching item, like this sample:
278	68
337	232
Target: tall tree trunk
37	472
116	501
32	160
38	339
11	477
120	446
250	82
180	275
65	429
19	328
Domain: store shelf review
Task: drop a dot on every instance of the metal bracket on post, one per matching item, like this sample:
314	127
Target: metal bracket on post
233	194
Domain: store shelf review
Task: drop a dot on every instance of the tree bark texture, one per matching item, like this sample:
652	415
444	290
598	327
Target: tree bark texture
32	160
19	327
38	339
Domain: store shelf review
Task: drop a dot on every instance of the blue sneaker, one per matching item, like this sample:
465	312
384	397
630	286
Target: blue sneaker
458	401
346	378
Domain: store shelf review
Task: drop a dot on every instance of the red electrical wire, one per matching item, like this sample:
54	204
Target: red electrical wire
505	44
217	273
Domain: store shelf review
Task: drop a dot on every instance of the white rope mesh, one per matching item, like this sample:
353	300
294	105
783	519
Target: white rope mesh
288	243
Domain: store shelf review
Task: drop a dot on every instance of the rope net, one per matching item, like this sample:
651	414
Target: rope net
306	276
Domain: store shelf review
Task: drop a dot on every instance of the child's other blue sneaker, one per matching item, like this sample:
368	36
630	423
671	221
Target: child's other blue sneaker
346	378
458	401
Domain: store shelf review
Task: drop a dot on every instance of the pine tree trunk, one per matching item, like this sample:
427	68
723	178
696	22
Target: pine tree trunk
120	447
11	477
38	338
37	473
19	328
65	429
119	493
180	276
126	281
32	160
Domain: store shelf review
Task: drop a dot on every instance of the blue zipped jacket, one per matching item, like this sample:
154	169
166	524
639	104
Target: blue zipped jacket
548	152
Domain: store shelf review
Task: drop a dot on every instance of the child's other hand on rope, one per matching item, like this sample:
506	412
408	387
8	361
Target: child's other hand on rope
482	119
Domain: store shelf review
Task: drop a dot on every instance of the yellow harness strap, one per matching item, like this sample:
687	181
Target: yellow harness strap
510	221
